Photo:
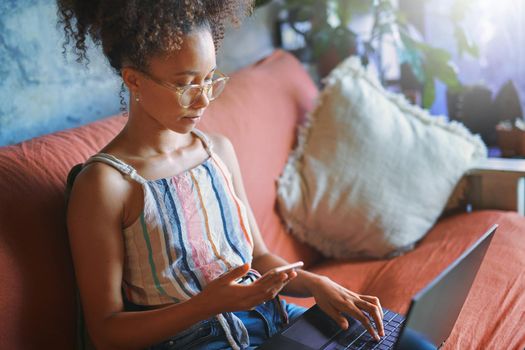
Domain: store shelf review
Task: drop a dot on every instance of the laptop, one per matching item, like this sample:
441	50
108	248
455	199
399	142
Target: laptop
431	316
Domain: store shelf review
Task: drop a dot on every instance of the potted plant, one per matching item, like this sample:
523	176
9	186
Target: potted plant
326	28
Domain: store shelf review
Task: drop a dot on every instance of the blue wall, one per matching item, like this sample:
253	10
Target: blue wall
40	90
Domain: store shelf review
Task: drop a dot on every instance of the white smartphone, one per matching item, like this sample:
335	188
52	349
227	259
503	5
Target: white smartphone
284	268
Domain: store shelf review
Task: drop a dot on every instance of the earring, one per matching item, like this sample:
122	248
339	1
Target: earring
137	99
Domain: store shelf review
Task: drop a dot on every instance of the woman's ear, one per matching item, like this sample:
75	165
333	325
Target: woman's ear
131	78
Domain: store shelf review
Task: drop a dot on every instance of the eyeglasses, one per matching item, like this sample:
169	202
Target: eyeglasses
189	94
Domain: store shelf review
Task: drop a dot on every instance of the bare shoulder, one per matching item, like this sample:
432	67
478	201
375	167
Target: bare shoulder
100	180
222	146
94	221
99	190
219	140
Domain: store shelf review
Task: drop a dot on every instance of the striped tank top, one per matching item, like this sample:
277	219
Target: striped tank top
192	229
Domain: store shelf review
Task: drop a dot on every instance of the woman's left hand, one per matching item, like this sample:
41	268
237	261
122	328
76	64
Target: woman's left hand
335	299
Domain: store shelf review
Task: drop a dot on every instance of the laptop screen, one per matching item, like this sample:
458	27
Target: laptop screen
434	310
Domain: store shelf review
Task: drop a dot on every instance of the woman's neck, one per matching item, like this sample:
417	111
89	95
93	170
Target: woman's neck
145	138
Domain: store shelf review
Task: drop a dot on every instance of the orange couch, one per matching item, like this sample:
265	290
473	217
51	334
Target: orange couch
259	112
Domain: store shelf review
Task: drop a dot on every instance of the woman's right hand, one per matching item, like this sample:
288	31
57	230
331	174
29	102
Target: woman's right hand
225	295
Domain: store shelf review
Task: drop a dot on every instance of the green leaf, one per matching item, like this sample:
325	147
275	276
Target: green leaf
460	9
300	14
261	2
410	54
464	44
439	63
359	6
429	93
434	53
321	40
401	18
384	6
342	39
345	41
385	28
344	12
443	71
347	8
298	3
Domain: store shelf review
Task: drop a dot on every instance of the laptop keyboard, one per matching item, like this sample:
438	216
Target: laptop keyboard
360	339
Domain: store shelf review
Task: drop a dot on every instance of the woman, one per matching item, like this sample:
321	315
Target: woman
166	249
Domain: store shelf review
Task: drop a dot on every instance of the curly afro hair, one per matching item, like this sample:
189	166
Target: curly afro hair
131	31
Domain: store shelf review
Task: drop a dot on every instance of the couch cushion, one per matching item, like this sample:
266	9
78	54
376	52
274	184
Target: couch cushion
37	295
493	313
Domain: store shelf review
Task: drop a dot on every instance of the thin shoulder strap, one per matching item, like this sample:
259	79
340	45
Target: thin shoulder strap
118	164
208	145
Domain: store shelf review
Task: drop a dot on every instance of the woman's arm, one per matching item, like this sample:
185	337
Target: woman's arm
94	220
330	296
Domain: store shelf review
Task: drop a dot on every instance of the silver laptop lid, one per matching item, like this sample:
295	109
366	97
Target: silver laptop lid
435	309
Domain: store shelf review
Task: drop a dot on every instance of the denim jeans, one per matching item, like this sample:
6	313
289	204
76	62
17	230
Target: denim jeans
261	323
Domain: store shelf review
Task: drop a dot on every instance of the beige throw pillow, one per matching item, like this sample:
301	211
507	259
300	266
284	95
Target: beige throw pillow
371	173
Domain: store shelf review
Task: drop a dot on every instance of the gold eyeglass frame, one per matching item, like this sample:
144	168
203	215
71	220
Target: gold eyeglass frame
180	90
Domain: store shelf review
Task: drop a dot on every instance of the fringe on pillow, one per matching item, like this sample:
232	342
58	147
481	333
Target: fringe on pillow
352	66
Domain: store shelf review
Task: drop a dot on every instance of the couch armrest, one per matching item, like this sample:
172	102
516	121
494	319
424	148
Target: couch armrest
497	183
